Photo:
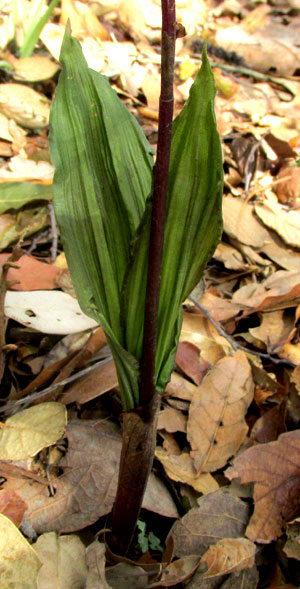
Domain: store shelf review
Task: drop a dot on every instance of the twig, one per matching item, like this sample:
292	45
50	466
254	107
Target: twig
233	343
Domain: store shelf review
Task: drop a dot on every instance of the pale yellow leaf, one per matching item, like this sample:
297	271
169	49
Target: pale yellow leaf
63	561
34	69
26	433
23	104
19	563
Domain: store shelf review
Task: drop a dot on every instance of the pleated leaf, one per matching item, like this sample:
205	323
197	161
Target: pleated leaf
103	177
193	225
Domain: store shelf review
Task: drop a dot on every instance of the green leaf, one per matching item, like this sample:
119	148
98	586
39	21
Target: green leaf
102	180
15	195
193	225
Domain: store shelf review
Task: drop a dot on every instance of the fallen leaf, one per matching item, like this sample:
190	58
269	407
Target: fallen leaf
219	309
276	42
280	291
270	425
275	330
199	330
188	359
180	468
83	21
216	424
292	545
22	169
97	382
275	469
5	130
178	572
123	575
241	223
285	222
280	253
12	506
228	555
86	489
33	69
31	274
180	387
63	561
23	104
230	257
288	189
26	433
19	563
47	311
171	420
95	560
219	515
15	195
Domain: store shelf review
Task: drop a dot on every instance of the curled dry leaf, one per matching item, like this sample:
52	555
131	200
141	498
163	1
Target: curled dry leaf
229	555
178	571
23	104
34	69
12	506
275	469
280	291
216	425
26	433
180	468
219	515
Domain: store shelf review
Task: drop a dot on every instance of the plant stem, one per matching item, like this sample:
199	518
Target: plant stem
139	425
166	104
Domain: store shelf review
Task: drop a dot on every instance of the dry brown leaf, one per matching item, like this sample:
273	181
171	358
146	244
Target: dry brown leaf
275	469
275	330
199	331
230	257
285	222
220	309
92	385
26	433
189	361
219	515
270	425
180	387
280	253
279	291
229	555
288	189
292	545
177	572
180	468
63	561
241	224
87	488
83	21
12	506
123	576
171	420
95	560
276	42
216	424
23	104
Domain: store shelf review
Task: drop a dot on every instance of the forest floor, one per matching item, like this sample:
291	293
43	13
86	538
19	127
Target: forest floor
222	505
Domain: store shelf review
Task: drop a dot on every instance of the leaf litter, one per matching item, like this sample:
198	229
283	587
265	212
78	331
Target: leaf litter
231	410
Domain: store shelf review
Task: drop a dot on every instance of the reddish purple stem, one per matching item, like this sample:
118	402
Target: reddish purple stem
166	104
